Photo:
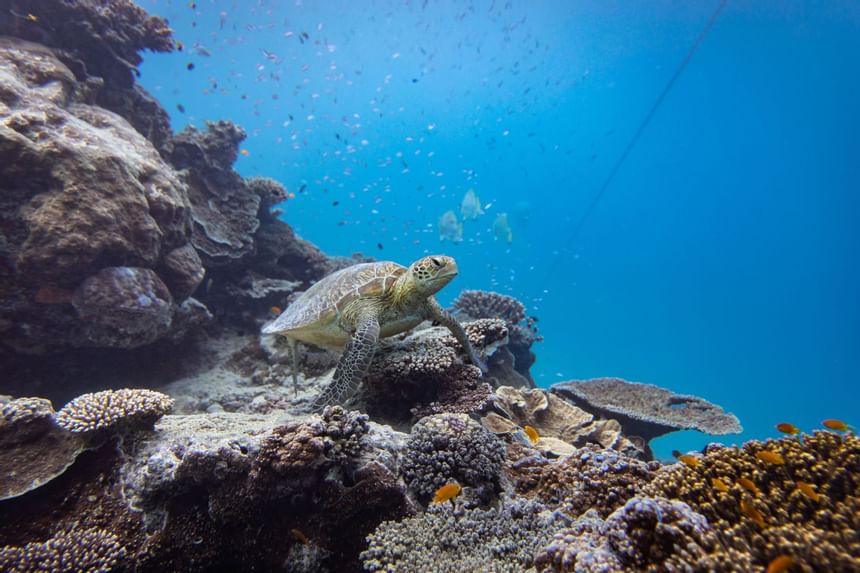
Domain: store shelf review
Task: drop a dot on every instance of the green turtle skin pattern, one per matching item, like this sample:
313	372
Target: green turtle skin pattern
356	306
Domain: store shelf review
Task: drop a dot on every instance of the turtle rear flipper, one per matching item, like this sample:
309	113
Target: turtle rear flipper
353	364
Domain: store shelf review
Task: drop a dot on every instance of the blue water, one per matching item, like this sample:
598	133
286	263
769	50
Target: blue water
721	261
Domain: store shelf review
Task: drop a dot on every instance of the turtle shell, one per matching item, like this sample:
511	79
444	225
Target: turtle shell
318	305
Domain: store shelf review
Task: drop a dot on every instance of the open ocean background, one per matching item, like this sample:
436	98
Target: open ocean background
722	261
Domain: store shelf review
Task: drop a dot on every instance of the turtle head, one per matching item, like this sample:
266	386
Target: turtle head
429	274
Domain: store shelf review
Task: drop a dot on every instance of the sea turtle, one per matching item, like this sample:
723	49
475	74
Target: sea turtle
358	305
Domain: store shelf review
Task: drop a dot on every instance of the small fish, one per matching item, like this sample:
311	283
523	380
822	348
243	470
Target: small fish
470	206
180	107
689	461
770	457
748	509
189	66
780	564
720	485
450	228
808	490
501	228
299	536
532	434
446	492
787	428
245	152
748	485
379	246
837	425
335	203
179	45
275	311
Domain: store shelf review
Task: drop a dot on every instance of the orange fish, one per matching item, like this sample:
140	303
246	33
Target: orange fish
690	461
837	425
748	509
245	152
780	564
299	536
808	490
446	492
787	428
748	484
720	485
770	457
532	434
275	311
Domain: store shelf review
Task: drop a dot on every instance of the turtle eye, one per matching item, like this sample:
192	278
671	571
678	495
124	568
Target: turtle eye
436	261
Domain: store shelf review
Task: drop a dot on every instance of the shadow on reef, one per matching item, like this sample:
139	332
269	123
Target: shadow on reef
143	260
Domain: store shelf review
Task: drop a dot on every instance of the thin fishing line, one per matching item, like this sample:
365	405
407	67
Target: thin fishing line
636	135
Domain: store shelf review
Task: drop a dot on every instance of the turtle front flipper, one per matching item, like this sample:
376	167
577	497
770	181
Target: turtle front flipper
437	313
353	364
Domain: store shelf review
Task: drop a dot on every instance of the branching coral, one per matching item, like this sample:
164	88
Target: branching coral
820	534
486	304
451	447
589	479
72	551
452	538
111	408
645	534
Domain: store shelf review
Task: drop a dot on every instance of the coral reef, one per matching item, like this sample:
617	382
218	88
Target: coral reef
646	534
452	447
474	304
127	408
33	450
646	410
456	538
590	479
75	550
819	534
424	372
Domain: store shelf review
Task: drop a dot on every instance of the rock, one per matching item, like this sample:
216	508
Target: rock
124	307
182	271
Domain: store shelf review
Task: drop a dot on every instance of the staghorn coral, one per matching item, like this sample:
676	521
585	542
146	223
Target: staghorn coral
451	447
113	409
73	551
124	307
819	535
646	410
645	534
591	478
450	538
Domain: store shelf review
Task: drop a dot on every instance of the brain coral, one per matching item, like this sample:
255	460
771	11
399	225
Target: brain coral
451	447
107	409
817	527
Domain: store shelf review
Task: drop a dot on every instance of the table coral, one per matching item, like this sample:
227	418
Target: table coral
451	447
113	408
646	410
